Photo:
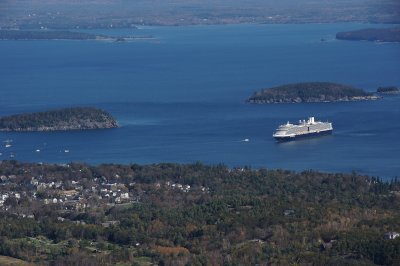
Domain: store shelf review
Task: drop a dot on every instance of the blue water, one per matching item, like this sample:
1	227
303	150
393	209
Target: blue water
180	97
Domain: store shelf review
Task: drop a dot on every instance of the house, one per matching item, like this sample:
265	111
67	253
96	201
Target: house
4	197
124	195
34	181
110	223
289	212
391	235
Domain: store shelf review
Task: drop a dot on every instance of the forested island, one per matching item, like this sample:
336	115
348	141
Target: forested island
377	35
77	118
310	92
172	214
388	90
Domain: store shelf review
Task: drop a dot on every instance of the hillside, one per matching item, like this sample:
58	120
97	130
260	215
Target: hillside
173	214
77	118
9	261
310	92
378	35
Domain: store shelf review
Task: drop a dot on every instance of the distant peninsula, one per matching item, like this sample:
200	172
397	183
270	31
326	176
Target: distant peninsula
377	35
388	90
53	35
77	118
309	92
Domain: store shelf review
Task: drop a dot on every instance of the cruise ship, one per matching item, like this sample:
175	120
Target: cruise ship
305	128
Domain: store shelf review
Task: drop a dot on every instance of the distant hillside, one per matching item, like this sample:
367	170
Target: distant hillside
97	14
310	92
380	35
78	118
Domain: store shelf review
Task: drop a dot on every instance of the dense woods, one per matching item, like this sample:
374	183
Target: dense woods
61	119
309	92
198	215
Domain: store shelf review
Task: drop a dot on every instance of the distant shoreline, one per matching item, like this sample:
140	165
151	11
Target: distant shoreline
58	35
310	92
354	99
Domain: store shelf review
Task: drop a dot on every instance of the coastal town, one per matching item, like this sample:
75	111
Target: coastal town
23	194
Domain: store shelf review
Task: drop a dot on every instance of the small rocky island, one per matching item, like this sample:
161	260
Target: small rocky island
377	35
310	92
77	118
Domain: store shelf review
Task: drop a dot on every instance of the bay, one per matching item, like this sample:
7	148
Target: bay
179	97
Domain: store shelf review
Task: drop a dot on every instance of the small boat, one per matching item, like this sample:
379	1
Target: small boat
8	143
246	140
66	151
37	150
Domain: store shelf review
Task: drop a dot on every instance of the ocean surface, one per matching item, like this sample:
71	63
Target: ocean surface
180	97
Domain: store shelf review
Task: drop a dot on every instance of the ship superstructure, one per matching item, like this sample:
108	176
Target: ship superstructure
305	128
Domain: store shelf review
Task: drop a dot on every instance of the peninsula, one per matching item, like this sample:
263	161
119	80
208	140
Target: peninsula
309	92
77	118
376	35
53	35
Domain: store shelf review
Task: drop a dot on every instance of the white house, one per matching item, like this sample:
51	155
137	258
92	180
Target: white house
391	235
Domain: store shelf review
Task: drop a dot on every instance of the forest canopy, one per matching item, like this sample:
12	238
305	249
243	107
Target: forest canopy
195	214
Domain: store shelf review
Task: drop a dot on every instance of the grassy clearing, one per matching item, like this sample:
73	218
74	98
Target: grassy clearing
9	261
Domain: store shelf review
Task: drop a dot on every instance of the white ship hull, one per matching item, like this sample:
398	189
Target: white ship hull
304	129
